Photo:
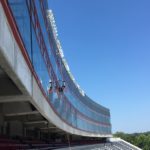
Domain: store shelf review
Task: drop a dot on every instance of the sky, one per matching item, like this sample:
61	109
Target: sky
107	46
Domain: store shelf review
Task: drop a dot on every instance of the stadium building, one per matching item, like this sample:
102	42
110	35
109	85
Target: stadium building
41	105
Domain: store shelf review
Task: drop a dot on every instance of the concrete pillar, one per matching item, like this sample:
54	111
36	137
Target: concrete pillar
16	128
1	123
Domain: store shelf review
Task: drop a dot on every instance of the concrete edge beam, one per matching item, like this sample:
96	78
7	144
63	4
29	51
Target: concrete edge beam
22	113
8	99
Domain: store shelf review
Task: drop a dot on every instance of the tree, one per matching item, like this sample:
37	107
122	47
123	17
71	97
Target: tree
141	140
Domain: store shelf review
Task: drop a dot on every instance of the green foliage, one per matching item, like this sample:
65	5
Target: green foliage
141	140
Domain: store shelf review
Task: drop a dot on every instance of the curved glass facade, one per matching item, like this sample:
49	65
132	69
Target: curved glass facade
73	106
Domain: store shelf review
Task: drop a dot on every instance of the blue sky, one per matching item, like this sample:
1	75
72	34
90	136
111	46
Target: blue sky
107	46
